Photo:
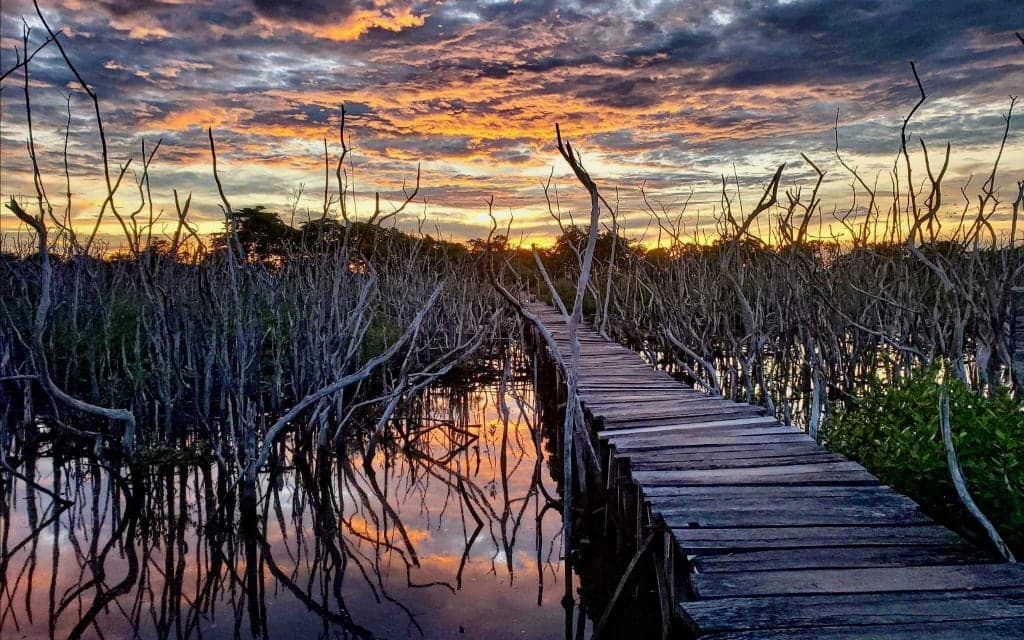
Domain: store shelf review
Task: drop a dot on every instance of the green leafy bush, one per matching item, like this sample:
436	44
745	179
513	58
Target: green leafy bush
893	430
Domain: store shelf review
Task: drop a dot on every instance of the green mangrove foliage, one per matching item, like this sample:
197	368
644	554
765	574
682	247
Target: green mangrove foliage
893	430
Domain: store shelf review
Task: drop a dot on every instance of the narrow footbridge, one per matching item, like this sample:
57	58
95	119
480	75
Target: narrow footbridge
781	538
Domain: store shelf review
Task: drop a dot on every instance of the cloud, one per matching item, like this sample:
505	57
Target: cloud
339	21
305	10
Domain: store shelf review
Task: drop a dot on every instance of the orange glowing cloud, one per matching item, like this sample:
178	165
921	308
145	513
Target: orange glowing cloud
363	20
200	116
359	22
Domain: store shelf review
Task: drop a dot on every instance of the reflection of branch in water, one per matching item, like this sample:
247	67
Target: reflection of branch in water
54	558
36	527
468	502
508	521
328	537
508	540
194	547
371	475
341	618
126	530
380	590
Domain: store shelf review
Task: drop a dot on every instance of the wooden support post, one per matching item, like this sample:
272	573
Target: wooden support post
668	556
627	576
638	504
665	602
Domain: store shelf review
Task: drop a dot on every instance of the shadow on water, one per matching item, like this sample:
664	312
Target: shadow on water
449	527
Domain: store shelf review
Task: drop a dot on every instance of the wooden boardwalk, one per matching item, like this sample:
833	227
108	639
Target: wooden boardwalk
784	539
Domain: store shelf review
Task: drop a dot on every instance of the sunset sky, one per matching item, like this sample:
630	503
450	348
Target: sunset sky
674	94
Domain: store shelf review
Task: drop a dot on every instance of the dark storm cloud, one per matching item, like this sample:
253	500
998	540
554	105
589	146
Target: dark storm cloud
682	45
121	7
306	10
835	41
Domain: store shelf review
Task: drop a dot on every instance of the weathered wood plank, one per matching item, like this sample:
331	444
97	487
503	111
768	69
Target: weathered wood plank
843	558
835	472
727	452
839	516
778	436
654	464
691	440
679	414
681	437
1000	629
772	497
604	398
633	422
638	410
733	492
865	580
658	383
697	541
752	421
789	512
743	614
669	400
777	497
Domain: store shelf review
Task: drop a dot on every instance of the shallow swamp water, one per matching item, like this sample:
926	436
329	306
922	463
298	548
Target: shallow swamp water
449	530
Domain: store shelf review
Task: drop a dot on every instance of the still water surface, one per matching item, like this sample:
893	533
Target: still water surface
445	532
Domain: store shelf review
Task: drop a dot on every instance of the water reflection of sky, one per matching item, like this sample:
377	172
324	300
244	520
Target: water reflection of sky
476	470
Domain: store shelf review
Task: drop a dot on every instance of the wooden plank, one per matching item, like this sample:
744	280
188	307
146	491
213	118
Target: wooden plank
838	514
864	580
739	614
684	426
678	414
1000	629
662	421
682	439
807	502
653	464
843	558
628	380
775	437
684	433
637	410
624	372
658	384
597	401
789	512
697	541
836	517
593	359
681	413
619	370
823	472
668	429
734	492
684	418
782	477
626	401
728	452
622	394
